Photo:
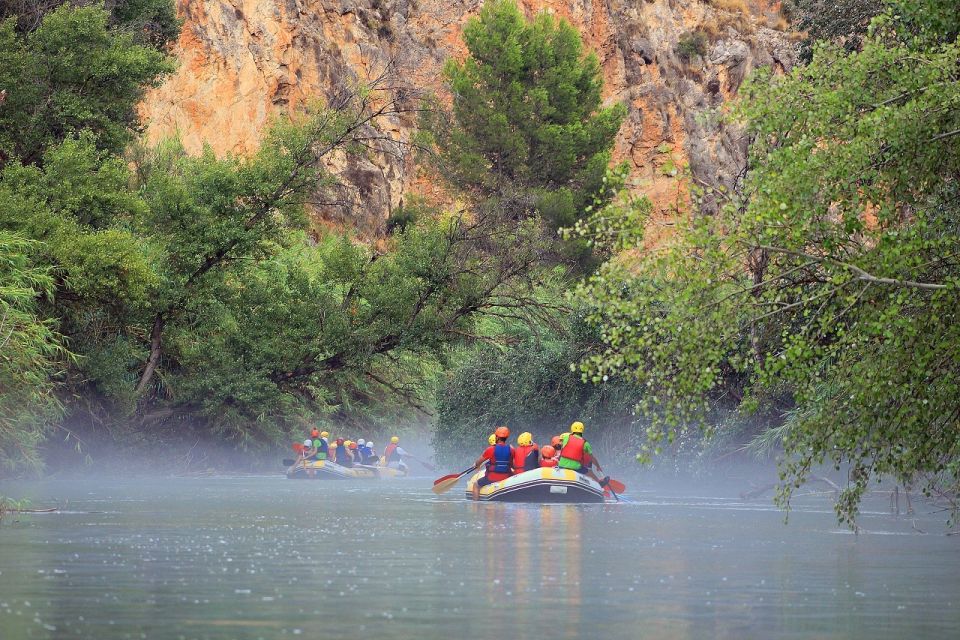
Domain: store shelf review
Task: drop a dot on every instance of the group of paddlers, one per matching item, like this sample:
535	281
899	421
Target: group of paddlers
568	450
347	452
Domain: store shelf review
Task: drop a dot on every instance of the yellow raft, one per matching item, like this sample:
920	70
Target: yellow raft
329	470
544	485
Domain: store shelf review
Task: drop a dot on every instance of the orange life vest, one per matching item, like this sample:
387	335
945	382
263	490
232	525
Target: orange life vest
390	453
548	462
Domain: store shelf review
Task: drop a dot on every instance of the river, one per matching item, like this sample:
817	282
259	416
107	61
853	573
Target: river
266	557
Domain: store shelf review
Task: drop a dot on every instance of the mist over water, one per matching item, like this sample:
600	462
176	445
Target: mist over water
266	557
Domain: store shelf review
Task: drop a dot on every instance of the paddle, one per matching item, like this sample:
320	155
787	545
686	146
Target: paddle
615	496
616	486
444	484
427	465
289	462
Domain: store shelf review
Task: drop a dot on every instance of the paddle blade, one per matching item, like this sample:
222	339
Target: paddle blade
442	485
287	462
427	465
617	486
445	485
445	478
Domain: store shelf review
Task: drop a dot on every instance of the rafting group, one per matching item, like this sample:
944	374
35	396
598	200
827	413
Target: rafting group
323	457
563	471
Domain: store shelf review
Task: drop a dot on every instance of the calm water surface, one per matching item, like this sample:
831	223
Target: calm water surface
269	557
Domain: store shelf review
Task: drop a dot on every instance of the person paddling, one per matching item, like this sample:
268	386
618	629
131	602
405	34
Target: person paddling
576	454
500	462
308	450
394	454
526	455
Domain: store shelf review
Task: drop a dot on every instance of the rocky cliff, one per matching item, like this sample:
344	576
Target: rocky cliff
674	62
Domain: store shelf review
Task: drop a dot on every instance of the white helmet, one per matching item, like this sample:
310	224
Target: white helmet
360	442
369	445
308	442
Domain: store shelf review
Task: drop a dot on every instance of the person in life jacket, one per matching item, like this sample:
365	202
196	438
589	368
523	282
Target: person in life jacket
369	455
499	458
354	452
548	456
526	455
394	454
322	445
315	443
342	453
577	454
307	452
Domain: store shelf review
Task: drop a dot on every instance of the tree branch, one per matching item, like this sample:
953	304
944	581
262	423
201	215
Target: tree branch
861	274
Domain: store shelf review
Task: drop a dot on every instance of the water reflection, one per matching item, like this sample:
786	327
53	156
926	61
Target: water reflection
247	558
533	563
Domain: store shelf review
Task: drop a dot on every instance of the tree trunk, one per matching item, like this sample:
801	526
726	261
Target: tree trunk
156	335
757	263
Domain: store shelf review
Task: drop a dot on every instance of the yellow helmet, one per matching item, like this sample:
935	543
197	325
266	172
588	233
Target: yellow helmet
347	443
492	439
576	427
324	434
394	439
525	438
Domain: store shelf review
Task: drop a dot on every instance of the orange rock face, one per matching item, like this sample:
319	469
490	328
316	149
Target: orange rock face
242	62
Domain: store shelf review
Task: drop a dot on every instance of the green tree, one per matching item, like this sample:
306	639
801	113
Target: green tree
528	384
73	73
527	133
834	278
152	22
31	354
844	23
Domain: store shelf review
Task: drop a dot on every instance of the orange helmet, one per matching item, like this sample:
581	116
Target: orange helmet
502	432
547	451
556	441
353	445
315	433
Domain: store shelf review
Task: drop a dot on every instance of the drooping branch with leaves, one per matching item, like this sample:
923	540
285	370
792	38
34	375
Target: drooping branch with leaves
831	286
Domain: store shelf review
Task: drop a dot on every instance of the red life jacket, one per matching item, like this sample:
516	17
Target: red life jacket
548	462
522	460
389	453
573	450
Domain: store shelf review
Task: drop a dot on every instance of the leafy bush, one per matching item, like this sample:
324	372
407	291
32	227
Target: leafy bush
692	44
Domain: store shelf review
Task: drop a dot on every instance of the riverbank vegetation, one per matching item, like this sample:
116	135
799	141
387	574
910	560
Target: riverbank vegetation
151	297
829	286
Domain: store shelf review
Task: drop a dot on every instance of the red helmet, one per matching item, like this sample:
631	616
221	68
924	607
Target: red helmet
502	432
315	433
339	441
556	441
547	451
